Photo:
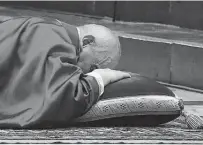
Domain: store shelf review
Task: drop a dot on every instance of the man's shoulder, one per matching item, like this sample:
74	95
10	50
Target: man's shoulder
44	20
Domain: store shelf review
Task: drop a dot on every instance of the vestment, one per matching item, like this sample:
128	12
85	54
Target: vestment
40	81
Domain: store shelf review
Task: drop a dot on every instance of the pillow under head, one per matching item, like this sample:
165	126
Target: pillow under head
134	101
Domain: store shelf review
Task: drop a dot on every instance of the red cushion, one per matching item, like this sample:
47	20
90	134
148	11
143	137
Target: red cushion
133	101
135	86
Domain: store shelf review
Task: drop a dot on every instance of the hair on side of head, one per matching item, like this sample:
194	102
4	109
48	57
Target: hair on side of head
107	56
106	47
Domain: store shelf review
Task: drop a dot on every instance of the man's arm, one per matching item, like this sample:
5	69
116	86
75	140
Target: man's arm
75	91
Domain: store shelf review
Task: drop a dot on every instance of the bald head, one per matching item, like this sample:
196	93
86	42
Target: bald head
104	45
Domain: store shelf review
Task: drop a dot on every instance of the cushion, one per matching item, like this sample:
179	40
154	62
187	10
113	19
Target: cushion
134	101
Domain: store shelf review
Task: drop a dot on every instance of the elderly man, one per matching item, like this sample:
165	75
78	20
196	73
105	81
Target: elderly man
52	72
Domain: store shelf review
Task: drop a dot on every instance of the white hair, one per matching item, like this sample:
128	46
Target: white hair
107	48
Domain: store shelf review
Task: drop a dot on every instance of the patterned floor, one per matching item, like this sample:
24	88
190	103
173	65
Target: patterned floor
175	130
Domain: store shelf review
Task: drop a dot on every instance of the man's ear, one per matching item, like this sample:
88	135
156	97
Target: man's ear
88	39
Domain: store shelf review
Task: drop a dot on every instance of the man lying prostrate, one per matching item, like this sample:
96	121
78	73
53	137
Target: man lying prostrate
52	72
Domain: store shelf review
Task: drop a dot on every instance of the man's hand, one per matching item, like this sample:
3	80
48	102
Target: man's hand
109	75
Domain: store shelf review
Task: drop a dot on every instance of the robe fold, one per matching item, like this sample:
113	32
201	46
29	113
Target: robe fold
40	82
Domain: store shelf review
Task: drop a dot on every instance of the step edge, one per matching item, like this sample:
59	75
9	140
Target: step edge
158	40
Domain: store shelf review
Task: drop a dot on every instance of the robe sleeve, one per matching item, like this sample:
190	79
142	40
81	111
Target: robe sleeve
43	82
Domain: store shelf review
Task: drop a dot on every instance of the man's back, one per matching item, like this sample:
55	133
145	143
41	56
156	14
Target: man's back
39	76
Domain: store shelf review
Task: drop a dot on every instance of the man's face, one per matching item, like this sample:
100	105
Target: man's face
86	59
